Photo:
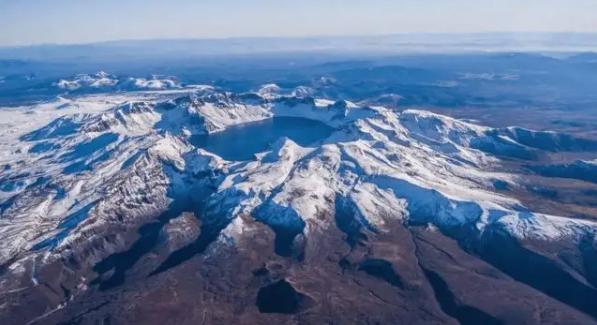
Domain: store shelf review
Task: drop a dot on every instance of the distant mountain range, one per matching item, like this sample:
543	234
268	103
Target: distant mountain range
383	44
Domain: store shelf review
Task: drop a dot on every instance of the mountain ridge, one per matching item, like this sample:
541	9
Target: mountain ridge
101	179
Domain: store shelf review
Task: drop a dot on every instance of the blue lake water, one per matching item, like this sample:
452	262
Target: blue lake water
242	142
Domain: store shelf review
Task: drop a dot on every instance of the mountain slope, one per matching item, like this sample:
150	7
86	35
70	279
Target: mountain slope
103	200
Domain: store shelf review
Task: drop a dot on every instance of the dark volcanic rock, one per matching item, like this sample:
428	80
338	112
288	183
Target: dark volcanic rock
279	297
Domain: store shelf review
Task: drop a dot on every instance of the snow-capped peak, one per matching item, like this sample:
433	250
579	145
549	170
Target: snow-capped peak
414	167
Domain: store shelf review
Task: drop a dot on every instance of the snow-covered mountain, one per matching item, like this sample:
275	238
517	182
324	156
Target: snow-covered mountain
99	192
107	82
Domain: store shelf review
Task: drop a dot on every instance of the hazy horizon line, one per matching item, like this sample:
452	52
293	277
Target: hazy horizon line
298	37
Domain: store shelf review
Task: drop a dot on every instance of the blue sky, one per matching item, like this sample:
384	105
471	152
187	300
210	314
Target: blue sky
76	21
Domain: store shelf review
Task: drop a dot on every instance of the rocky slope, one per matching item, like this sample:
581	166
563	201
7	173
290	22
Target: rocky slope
110	214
